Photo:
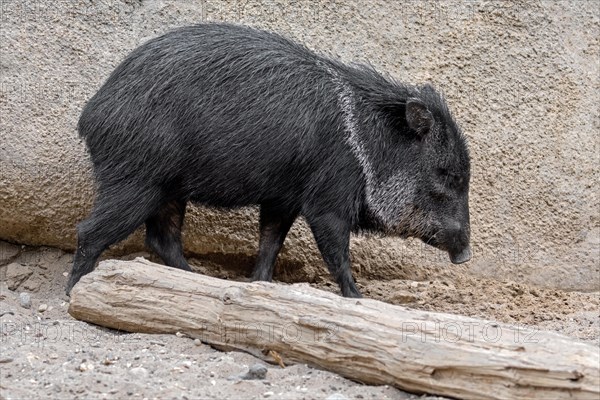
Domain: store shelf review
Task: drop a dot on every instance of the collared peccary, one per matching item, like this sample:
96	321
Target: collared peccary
230	116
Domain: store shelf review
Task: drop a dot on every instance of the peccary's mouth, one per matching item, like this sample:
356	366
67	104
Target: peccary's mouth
456	256
462	256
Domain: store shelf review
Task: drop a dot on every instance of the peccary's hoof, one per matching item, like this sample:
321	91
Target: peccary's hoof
462	256
352	294
69	287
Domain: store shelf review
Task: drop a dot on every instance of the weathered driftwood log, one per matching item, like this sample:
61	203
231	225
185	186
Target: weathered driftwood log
365	340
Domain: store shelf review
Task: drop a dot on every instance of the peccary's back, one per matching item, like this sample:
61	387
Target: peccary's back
217	106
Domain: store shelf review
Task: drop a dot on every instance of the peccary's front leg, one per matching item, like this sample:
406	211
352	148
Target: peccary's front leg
333	239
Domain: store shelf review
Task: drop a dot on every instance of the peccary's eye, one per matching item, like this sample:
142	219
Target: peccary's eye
446	176
443	172
449	180
439	196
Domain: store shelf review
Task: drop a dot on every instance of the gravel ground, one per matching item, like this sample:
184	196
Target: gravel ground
46	353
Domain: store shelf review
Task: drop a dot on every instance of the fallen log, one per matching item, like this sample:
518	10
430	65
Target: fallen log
362	339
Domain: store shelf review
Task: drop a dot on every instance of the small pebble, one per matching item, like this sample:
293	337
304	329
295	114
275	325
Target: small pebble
25	300
140	372
42	307
257	371
83	367
336	396
197	342
187	364
268	394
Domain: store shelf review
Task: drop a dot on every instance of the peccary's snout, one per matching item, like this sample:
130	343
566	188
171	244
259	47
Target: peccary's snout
460	248
454	239
462	256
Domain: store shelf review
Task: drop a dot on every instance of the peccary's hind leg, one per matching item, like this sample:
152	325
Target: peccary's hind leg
163	234
117	212
274	226
333	239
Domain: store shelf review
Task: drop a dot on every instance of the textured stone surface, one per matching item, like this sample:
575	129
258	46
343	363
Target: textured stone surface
522	79
8	251
16	274
25	300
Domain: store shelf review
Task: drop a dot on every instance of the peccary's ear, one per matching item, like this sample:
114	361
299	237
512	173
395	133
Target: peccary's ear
418	117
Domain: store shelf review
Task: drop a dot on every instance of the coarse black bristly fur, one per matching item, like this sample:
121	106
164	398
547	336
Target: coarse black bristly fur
230	116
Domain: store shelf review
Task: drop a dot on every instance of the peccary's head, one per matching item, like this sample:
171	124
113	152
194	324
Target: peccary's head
418	170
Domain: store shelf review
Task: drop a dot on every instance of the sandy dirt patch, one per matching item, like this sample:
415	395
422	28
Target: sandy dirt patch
46	353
